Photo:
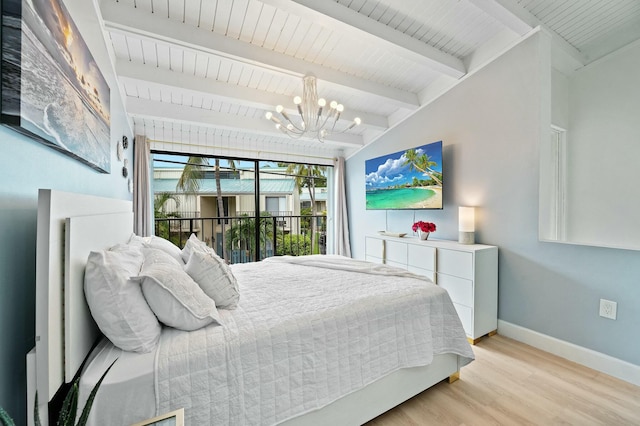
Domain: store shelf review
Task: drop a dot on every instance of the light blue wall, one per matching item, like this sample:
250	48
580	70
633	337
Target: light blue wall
26	166
491	125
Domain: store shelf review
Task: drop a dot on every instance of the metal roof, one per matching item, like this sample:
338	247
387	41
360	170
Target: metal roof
320	196
231	186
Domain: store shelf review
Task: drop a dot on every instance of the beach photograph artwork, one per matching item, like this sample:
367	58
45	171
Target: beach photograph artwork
407	179
52	88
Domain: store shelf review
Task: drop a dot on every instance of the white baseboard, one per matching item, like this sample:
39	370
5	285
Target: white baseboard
615	367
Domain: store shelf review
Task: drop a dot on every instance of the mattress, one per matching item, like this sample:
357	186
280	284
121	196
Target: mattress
307	331
127	393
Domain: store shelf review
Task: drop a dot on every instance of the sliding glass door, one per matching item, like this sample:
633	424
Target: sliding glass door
246	210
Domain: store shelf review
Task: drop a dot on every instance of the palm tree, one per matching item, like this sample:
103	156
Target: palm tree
242	235
160	201
232	166
189	182
421	163
192	174
159	211
305	176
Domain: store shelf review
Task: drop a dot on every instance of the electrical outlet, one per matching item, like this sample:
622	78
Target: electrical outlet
608	309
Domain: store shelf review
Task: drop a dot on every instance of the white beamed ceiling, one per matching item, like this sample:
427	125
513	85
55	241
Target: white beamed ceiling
198	75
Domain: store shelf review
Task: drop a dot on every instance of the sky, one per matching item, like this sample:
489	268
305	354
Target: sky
388	170
173	161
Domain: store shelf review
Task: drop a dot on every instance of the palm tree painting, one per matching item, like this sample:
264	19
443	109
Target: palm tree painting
409	179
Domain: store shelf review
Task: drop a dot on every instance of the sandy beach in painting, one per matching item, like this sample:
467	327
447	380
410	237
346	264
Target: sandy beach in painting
433	202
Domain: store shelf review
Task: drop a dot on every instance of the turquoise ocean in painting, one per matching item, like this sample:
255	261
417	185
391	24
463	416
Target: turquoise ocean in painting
399	198
407	179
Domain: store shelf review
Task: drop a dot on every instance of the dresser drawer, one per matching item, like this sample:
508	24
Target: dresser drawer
420	271
457	263
396	264
373	259
396	253
422	256
374	247
466	317
460	290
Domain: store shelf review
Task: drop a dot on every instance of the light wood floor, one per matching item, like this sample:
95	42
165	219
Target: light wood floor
511	383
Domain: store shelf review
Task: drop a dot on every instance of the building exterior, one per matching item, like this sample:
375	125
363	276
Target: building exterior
279	206
278	194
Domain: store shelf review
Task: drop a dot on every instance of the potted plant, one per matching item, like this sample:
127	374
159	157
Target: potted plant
423	229
67	415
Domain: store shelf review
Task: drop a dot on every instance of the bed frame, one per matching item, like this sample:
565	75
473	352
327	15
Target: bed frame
64	325
72	225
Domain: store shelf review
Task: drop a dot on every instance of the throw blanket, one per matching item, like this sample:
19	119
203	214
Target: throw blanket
302	337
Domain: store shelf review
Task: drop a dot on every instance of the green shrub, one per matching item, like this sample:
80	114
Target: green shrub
293	245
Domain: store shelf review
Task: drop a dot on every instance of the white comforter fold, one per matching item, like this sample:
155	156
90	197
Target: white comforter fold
301	337
331	261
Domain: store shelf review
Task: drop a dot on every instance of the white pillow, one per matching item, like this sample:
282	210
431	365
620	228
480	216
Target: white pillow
166	246
158	243
116	302
194	244
215	278
173	296
154	255
138	241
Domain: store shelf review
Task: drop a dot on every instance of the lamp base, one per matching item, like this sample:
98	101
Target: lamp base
466	237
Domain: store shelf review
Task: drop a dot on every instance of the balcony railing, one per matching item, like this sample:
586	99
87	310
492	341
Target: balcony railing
236	238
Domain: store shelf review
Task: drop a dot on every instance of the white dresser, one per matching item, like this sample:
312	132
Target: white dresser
468	272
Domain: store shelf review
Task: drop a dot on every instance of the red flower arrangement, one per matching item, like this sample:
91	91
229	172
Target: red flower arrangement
424	226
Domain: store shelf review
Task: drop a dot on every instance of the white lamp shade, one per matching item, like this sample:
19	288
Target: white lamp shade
466	219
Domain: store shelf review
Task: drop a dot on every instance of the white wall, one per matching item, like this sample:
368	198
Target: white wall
559	99
491	125
603	148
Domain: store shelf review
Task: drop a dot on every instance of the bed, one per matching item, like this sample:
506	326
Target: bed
343	341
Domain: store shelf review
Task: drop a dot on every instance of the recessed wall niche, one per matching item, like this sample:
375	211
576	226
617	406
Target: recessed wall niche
589	191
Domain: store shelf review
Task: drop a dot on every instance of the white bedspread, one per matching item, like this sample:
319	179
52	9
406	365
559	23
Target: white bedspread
303	335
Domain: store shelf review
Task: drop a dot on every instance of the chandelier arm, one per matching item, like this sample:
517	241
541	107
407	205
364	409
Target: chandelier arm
336	117
324	121
292	135
286	117
315	119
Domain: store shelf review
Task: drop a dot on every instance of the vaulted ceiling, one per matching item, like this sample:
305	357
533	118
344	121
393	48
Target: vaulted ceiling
198	75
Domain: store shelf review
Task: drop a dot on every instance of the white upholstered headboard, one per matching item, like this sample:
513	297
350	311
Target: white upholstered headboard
54	208
85	234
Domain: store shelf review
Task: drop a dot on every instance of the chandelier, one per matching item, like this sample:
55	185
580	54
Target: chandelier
314	119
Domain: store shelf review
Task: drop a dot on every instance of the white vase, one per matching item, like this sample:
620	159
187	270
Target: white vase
423	235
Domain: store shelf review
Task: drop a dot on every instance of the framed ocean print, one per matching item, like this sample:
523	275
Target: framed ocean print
52	89
407	179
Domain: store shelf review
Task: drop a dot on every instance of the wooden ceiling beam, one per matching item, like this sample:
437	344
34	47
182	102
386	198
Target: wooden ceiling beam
141	24
145	108
511	14
348	21
230	92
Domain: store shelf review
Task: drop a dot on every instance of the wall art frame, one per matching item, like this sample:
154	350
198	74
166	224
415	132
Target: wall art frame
52	89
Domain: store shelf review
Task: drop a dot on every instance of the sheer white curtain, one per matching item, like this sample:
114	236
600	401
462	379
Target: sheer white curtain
341	217
142	207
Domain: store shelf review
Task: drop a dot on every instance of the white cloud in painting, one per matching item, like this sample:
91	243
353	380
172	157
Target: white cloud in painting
388	172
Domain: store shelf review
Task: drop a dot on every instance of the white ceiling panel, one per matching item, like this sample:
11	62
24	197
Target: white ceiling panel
199	75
